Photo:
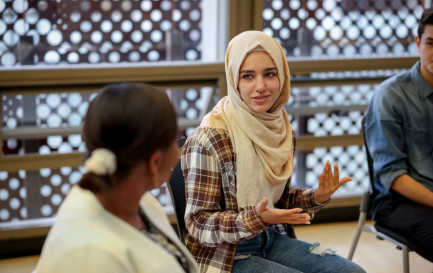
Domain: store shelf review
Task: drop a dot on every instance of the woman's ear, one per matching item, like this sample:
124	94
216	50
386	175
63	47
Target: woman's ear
155	162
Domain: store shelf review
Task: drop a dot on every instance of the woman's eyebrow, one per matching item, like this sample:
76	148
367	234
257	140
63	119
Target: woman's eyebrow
270	68
247	71
253	71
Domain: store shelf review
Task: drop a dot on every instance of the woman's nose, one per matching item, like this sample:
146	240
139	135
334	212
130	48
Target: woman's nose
260	85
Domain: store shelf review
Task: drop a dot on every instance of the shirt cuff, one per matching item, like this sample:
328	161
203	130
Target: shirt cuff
261	225
388	178
317	203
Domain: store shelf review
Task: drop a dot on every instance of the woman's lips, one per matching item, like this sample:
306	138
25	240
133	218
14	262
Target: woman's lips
260	99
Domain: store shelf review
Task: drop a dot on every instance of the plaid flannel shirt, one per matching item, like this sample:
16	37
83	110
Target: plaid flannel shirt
209	168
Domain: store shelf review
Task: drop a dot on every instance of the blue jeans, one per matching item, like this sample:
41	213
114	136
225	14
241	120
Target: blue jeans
272	252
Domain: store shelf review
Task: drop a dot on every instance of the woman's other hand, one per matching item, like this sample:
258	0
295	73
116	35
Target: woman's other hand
281	216
328	183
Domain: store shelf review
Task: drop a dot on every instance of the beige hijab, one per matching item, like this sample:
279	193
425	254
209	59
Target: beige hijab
262	142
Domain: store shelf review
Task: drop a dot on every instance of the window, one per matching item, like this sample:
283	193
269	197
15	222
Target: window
338	29
105	31
344	28
80	34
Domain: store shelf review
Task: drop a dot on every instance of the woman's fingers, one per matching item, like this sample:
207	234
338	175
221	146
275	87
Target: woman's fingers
336	175
262	205
335	179
344	180
289	216
332	181
322	178
329	183
329	177
293	216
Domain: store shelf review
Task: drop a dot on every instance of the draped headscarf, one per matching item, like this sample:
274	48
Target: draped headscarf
262	142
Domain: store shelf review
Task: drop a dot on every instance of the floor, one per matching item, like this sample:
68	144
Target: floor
373	255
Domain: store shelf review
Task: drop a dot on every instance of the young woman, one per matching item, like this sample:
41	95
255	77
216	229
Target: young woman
110	222
238	164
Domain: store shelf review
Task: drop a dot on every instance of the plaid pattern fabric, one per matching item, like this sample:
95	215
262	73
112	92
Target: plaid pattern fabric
209	166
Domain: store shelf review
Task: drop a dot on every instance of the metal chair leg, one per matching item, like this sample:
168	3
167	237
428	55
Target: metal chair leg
405	253
355	240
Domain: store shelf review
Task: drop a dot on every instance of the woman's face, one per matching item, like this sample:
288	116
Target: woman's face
170	157
259	85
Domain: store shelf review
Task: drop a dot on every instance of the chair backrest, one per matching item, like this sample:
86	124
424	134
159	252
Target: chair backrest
373	191
176	187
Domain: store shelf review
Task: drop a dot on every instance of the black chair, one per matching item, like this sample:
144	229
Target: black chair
381	232
176	187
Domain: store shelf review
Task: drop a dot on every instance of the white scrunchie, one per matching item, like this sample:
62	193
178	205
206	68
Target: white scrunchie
101	162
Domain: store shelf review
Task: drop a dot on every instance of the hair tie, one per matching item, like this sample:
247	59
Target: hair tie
101	162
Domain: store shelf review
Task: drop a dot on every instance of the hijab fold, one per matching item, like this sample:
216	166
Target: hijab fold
262	142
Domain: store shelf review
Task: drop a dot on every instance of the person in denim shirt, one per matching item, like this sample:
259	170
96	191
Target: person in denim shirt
399	136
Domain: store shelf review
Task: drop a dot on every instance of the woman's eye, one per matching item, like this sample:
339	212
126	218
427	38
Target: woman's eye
271	74
247	76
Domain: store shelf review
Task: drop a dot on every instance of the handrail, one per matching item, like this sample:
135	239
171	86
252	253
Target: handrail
35	162
178	71
308	65
102	74
34	132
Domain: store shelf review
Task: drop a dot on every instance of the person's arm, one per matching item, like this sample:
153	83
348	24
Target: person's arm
296	206
385	137
203	177
295	197
413	190
311	200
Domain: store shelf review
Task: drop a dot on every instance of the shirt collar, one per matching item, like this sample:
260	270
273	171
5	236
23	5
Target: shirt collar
424	89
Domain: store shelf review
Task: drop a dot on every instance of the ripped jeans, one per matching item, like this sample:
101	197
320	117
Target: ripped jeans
272	252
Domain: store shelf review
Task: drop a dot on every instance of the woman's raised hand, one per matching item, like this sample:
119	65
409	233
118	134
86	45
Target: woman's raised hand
281	216
329	183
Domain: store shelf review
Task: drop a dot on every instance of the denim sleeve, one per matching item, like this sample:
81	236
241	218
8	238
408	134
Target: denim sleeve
385	137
